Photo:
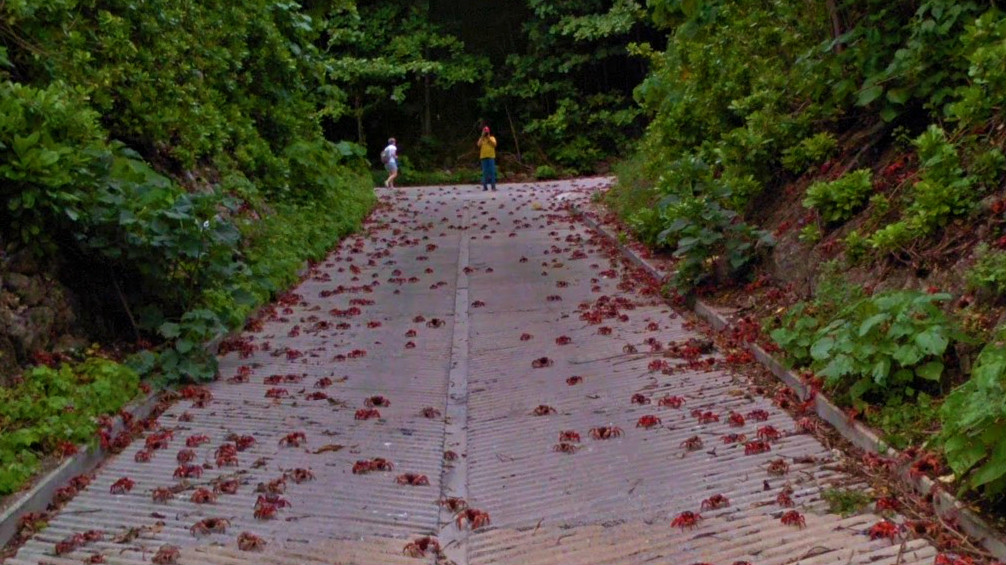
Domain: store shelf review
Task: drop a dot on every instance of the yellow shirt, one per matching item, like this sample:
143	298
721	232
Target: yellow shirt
488	147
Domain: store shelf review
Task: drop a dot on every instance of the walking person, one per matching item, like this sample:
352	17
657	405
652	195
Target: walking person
487	153
390	159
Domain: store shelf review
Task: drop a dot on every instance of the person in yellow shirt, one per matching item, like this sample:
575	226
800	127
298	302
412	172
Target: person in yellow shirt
487	153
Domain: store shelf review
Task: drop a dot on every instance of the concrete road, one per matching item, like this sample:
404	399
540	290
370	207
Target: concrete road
492	350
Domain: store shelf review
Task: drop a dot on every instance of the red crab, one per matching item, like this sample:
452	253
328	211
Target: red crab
450	455
367	413
928	464
756	446
758	415
793	518
242	442
778	467
142	456
543	410
605	432
69	543
300	475
122	486
208	526
565	447
706	417
640	399
807	425
671	401
542	362
277	393
377	400
734	438
472	517
293	439
887	503
318	395
569	435
715	502
884	529
648	421
376	464
166	555
768	433
227	459
526	337
187	471
250	542
735	419
412	479
785	497
563	340
419	547
162	494
185	455
196	440
574	380
453	503
323	382
203	496
692	444
226	486
265	510
686	520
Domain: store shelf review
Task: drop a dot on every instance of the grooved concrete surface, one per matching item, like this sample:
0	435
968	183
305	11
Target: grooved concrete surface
450	300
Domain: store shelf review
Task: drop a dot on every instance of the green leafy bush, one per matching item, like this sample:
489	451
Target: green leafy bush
838	200
989	271
974	425
53	406
545	172
944	190
879	348
810	152
856	247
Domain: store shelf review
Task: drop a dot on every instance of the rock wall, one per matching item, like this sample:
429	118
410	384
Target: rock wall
36	312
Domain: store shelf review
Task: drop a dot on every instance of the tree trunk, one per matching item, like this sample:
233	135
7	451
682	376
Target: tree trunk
358	111
836	24
427	113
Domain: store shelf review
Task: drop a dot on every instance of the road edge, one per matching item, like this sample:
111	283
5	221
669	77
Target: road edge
946	505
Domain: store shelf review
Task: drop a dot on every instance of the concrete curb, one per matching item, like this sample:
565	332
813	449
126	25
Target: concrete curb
946	505
37	498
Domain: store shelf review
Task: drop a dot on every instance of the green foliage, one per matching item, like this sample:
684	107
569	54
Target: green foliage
905	421
856	247
879	348
846	501
218	107
810	152
974	425
52	406
944	190
545	172
989	271
563	87
48	140
838	200
892	236
810	234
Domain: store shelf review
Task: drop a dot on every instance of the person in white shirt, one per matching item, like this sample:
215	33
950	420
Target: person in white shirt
390	159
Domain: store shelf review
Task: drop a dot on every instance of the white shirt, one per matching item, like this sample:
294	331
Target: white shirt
392	152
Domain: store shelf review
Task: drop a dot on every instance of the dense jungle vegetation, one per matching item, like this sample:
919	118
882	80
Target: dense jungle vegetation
843	163
168	165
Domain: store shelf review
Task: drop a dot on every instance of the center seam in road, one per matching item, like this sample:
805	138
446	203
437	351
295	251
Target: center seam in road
454	481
